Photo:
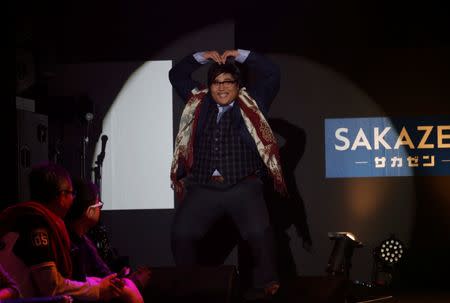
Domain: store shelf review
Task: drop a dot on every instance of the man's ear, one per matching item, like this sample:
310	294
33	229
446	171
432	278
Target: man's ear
90	212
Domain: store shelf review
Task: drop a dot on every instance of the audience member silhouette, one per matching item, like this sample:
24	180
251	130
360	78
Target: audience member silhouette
83	216
36	246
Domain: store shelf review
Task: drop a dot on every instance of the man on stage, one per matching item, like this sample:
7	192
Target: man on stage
223	148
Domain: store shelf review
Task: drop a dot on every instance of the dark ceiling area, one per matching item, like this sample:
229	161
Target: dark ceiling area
74	31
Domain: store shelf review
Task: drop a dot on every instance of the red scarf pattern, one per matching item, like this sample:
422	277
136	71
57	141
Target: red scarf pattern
256	124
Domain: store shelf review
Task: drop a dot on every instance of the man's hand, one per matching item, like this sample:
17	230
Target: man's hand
141	277
110	287
229	53
213	55
220	59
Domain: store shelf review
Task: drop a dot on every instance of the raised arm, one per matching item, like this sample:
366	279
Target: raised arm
181	74
265	80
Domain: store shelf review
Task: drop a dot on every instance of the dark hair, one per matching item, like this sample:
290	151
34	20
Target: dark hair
229	67
86	194
45	181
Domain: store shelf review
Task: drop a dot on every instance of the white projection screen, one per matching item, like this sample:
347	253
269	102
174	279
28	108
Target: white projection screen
133	108
135	173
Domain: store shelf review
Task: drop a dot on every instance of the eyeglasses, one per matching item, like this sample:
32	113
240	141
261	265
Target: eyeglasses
99	204
226	83
68	192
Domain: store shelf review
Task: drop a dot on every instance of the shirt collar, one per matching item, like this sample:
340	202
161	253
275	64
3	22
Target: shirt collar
230	104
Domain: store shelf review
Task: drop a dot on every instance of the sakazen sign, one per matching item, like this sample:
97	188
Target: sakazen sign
381	146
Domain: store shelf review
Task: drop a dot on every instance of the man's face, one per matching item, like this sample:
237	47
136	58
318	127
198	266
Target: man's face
66	196
224	89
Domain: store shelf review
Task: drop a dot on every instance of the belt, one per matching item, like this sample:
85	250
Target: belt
221	179
218	179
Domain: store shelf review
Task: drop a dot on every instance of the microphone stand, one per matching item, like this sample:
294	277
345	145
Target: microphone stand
83	158
99	232
99	165
85	142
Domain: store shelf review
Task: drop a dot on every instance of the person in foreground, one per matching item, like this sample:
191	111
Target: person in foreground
223	148
36	246
82	216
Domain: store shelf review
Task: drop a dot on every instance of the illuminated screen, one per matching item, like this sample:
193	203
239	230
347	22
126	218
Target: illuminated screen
138	125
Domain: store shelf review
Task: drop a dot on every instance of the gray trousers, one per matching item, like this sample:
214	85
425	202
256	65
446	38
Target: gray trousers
244	203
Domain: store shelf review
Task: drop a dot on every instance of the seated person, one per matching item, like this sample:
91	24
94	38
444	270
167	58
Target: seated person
8	288
82	216
35	246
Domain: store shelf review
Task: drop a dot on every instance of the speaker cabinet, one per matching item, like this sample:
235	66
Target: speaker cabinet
32	144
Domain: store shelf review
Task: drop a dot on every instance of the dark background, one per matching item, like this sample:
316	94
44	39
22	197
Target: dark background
394	55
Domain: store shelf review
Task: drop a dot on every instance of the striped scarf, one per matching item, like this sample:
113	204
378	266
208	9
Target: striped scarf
256	124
